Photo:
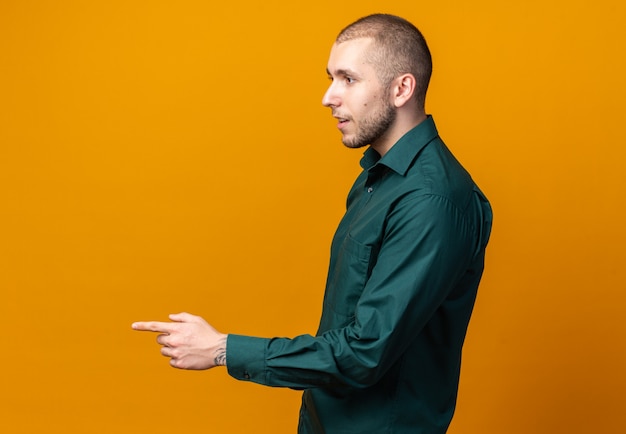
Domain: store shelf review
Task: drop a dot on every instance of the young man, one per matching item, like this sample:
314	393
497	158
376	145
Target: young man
405	264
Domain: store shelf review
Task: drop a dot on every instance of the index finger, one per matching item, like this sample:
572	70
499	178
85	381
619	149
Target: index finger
153	326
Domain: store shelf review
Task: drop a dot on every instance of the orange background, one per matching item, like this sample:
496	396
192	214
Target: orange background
161	156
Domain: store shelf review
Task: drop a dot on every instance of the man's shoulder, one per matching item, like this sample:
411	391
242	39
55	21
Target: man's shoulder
436	171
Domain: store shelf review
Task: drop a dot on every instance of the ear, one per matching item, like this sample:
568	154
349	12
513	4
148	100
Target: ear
403	89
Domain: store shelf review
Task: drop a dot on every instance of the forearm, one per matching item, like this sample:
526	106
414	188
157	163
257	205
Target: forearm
333	359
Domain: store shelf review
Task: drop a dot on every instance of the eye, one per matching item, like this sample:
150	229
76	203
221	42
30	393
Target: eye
349	80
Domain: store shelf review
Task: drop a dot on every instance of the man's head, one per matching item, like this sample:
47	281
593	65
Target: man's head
380	67
398	48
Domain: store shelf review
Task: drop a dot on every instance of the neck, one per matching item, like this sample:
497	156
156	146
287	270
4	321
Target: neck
403	124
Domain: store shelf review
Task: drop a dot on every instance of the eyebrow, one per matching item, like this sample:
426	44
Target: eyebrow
343	72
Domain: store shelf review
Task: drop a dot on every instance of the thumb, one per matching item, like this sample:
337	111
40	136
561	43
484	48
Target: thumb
182	317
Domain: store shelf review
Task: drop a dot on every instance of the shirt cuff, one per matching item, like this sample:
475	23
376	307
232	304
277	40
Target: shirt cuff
245	358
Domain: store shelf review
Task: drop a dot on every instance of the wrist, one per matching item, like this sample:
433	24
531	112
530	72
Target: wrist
220	353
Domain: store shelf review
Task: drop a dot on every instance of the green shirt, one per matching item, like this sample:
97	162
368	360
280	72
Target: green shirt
405	265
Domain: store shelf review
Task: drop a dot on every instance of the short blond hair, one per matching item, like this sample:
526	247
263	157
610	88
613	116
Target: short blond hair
399	48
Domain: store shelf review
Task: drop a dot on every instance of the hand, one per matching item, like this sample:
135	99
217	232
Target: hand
190	342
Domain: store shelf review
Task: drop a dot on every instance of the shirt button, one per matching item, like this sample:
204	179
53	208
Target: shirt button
370	189
246	375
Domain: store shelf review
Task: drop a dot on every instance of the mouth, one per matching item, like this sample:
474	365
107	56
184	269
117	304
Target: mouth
342	122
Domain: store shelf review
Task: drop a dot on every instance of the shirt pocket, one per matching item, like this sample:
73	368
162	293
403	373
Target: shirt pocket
348	277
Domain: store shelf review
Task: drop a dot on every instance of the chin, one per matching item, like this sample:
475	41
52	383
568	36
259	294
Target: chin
352	144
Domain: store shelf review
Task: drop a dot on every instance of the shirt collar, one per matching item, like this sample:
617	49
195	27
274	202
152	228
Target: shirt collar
403	152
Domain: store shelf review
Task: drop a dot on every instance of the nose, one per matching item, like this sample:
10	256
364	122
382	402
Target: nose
331	97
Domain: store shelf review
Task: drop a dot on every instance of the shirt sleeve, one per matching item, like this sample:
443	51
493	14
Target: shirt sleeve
428	245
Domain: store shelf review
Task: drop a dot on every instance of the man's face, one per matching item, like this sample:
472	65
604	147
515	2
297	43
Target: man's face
356	96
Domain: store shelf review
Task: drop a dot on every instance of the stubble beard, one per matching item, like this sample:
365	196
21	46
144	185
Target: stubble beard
372	127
